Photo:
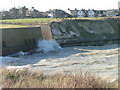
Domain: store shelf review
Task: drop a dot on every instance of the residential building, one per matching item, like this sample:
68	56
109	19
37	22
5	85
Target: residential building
14	12
111	12
33	13
91	13
74	13
46	14
58	13
22	12
81	13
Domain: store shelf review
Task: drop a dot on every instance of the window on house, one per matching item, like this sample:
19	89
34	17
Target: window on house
3	44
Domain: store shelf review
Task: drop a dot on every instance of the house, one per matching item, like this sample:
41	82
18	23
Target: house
101	13
87	13
33	13
6	15
111	13
74	13
81	13
91	13
14	12
98	14
46	14
58	13
22	12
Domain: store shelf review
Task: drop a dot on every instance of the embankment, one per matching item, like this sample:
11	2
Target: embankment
86	31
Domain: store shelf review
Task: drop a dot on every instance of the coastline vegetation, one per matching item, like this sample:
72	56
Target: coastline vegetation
26	21
40	20
24	78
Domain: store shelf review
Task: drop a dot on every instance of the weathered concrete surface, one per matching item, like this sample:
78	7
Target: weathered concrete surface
46	31
76	31
19	39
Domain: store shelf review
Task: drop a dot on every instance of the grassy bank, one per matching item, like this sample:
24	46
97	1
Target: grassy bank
27	79
39	20
26	21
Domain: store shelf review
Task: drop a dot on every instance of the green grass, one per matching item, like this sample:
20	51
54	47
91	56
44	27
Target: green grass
11	26
39	20
27	21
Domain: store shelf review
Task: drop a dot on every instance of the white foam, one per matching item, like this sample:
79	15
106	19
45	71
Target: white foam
48	45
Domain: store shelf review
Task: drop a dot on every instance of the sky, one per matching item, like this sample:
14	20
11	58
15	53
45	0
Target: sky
44	5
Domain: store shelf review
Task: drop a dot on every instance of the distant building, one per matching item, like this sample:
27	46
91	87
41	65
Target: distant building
33	13
91	13
22	12
58	13
74	13
111	13
101	13
5	15
81	13
46	14
87	13
14	12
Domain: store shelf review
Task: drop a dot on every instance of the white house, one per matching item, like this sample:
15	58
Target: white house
81	14
99	14
51	15
91	13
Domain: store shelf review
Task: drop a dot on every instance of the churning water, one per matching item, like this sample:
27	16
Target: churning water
101	60
48	45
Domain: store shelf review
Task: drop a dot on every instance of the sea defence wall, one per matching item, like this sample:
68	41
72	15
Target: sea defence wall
86	32
19	39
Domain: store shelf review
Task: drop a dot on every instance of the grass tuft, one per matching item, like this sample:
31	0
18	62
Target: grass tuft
29	79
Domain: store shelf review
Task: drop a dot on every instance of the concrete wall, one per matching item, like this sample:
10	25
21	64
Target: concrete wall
20	39
46	31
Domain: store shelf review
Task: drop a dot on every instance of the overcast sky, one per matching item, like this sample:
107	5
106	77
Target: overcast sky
44	5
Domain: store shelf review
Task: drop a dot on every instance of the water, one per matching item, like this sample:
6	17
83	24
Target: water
100	60
48	45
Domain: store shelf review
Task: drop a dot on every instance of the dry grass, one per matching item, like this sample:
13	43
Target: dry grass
27	79
11	26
